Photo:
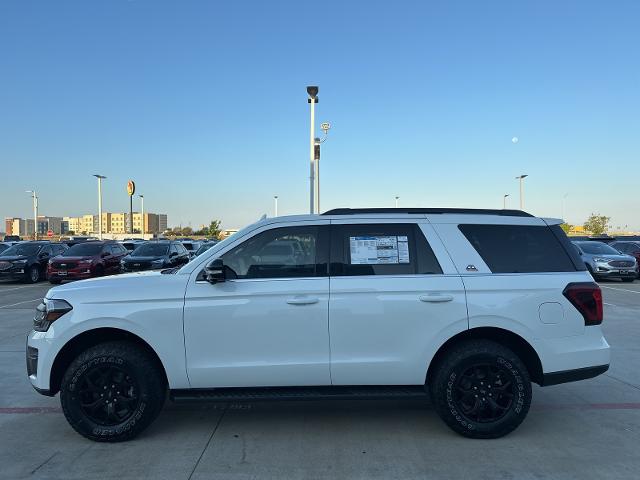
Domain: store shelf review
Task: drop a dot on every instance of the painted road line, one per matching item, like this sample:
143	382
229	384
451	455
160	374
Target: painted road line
2	290
620	289
609	304
20	303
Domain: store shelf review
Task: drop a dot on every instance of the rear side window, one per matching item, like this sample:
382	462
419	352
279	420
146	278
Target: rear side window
519	248
381	249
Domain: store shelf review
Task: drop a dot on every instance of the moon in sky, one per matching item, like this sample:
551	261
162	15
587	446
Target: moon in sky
514	140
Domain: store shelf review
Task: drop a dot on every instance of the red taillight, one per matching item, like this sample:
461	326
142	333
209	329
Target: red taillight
587	298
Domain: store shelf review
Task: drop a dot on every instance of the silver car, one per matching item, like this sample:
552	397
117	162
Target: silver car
604	261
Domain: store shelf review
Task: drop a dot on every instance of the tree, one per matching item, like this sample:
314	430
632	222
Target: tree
566	227
214	229
187	231
597	224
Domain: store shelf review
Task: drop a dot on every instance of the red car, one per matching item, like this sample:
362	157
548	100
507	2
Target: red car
86	260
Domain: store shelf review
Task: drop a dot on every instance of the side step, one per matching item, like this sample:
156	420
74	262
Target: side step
297	393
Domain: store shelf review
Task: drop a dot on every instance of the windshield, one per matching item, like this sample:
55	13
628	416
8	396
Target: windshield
204	248
25	249
151	250
598	248
83	250
188	246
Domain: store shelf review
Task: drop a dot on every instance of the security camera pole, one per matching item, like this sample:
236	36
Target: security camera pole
504	201
521	178
34	196
100	178
312	91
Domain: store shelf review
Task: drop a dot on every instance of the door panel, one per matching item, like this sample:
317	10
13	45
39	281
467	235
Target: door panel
257	333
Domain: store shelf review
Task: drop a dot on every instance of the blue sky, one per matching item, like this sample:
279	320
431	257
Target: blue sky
203	104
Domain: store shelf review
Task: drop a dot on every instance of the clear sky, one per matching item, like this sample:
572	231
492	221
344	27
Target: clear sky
204	105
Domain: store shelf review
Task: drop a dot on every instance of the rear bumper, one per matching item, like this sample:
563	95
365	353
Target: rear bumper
565	376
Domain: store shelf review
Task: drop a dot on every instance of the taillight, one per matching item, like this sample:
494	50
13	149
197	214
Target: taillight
587	298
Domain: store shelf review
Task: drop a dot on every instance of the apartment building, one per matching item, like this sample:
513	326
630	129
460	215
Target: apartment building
88	224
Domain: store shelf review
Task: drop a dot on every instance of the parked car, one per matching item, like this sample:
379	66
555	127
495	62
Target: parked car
131	245
467	306
12	238
204	247
192	246
27	261
6	245
628	248
154	256
87	260
604	261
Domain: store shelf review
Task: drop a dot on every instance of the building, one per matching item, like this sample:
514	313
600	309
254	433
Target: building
23	227
88	224
49	223
72	225
162	222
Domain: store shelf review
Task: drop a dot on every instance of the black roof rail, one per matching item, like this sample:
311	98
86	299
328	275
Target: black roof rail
431	211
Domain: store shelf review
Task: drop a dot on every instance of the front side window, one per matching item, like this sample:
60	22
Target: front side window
278	253
381	249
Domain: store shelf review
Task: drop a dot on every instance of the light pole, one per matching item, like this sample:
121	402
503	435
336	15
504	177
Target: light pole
275	205
100	178
312	91
142	214
521	178
562	202
34	196
397	198
504	201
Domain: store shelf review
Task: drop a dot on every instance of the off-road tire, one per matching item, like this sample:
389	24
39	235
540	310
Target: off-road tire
125	358
451	374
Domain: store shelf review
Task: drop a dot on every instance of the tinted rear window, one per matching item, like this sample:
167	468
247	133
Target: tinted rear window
518	248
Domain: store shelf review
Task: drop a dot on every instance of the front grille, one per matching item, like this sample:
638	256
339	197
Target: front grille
621	263
138	265
5	265
65	266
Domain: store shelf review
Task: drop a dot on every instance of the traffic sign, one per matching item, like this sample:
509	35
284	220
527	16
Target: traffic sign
50	233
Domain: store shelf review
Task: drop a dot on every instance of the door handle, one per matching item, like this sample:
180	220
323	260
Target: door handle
435	298
302	300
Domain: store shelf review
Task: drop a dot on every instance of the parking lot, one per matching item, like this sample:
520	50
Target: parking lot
584	430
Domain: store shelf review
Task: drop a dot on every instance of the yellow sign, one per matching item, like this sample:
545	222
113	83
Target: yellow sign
131	188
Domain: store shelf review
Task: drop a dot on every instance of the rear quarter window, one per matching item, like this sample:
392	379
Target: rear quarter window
519	248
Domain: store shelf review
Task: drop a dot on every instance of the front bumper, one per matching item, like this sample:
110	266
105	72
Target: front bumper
604	270
15	273
75	274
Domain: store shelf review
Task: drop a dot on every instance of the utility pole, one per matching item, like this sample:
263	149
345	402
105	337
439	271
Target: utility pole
504	201
312	91
397	198
275	205
142	213
34	196
521	178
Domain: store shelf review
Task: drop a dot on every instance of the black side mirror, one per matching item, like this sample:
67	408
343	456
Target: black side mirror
215	271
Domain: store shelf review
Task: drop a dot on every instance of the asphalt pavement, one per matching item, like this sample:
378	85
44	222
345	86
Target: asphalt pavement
584	430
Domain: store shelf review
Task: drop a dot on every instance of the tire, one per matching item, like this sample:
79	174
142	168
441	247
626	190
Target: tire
628	280
33	274
99	271
460	373
138	384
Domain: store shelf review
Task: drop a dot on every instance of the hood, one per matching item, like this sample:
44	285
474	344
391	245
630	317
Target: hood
60	259
13	258
131	258
611	257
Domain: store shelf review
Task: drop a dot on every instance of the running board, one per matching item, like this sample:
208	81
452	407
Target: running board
296	393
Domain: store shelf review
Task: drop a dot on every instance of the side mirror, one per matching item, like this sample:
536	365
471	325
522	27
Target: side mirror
173	254
43	255
104	254
215	271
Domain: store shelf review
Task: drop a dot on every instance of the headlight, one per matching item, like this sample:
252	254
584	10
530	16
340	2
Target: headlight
122	262
84	262
157	263
19	262
48	312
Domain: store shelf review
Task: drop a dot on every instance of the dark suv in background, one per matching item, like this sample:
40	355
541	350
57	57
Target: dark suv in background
27	261
155	255
86	260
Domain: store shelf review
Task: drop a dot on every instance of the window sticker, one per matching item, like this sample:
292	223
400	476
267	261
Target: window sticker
379	250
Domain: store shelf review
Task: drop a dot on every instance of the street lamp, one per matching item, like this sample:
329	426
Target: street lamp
397	198
34	196
312	91
504	201
521	178
100	178
275	205
142	214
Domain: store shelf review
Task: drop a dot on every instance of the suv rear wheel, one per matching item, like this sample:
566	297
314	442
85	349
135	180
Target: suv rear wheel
481	389
112	392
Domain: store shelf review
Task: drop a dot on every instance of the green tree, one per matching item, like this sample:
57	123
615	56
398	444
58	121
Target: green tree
597	224
214	229
187	231
566	227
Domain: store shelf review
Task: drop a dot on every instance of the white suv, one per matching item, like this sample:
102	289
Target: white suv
467	306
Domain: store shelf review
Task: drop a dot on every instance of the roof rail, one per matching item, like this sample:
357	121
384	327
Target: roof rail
431	211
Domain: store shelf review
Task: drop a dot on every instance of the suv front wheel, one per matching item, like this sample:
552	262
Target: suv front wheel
481	389
112	391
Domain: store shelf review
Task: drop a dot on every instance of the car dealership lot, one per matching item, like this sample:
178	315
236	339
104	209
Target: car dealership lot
583	430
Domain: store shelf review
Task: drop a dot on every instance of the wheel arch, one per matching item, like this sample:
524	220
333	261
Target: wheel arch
511	340
88	339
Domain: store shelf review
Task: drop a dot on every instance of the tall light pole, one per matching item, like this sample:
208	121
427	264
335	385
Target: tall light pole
142	214
521	178
34	196
275	205
564	197
397	198
100	178
504	201
312	91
